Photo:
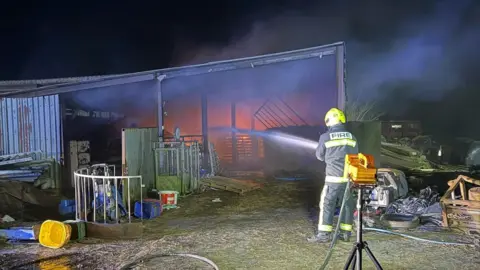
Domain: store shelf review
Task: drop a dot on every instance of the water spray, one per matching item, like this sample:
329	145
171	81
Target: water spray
277	136
293	140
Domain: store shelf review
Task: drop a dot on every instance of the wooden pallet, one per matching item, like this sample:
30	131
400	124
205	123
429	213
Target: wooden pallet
245	174
230	184
462	213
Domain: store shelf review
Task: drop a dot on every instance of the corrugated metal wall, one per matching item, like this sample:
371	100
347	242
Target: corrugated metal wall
31	124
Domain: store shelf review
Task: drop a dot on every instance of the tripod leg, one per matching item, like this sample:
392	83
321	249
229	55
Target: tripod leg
351	257
360	201
358	261
372	257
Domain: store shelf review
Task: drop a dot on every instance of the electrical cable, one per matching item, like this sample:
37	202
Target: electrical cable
128	266
417	238
290	178
210	262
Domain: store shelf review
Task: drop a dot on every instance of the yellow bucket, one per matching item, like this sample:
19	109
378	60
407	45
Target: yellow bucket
54	234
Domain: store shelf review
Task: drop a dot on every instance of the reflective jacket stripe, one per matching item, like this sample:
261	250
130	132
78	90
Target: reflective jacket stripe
340	142
335	179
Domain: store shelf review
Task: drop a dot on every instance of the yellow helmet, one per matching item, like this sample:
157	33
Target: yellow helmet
334	116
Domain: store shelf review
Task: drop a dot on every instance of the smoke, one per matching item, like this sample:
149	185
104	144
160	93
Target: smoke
423	49
428	53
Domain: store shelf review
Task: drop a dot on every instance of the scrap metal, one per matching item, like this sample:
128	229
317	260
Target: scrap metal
17	158
27	167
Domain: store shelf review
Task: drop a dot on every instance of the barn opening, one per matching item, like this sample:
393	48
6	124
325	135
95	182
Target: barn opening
98	116
282	95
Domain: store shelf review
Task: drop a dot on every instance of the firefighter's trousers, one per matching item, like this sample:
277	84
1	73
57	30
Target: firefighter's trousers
331	194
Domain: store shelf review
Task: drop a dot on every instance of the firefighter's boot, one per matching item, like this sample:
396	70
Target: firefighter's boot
320	237
344	236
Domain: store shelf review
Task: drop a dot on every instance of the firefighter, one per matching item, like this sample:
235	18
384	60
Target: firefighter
332	148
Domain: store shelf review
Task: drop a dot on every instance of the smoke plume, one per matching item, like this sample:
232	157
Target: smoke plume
421	49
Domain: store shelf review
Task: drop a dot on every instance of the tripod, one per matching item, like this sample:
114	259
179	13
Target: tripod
356	253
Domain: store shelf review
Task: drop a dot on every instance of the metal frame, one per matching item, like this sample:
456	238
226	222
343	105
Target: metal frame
337	49
78	86
84	184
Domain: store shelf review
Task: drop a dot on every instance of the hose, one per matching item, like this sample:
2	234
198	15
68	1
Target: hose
290	178
210	262
417	238
346	195
128	266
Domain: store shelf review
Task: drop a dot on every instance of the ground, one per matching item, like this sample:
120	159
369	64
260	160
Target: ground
263	229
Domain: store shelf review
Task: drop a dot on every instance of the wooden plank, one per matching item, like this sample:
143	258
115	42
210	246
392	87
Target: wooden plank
232	185
232	181
226	186
229	184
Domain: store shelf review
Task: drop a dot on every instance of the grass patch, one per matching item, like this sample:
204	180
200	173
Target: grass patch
263	229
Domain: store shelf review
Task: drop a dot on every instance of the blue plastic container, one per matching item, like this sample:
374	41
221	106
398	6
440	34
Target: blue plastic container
18	233
151	209
66	207
67	202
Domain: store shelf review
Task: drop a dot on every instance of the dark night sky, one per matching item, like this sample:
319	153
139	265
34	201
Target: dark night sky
397	51
57	39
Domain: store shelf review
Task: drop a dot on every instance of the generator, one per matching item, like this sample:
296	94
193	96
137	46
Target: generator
391	185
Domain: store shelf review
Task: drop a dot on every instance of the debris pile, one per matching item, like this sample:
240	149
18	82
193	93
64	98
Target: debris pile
414	205
426	206
25	202
403	157
421	153
29	167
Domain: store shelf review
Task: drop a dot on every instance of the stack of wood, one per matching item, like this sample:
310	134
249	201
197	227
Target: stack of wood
403	158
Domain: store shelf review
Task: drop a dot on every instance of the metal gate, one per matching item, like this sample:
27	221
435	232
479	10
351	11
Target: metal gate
177	166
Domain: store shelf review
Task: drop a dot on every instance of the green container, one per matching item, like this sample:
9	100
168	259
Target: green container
78	229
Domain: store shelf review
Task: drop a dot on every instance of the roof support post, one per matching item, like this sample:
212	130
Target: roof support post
160	111
341	76
204	106
234	132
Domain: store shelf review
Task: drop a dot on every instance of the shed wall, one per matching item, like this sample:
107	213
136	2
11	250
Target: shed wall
31	124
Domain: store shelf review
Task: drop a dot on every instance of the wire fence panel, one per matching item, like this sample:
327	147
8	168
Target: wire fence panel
177	166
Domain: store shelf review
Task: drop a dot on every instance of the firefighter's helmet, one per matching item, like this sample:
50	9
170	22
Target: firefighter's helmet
334	116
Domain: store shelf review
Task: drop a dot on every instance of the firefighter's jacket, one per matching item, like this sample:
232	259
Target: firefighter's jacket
332	148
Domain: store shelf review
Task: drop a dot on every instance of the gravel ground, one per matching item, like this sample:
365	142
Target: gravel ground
263	229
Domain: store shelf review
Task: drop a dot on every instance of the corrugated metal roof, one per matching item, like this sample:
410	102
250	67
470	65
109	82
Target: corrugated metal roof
52	81
210	67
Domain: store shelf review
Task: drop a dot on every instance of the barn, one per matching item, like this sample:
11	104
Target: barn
216	103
